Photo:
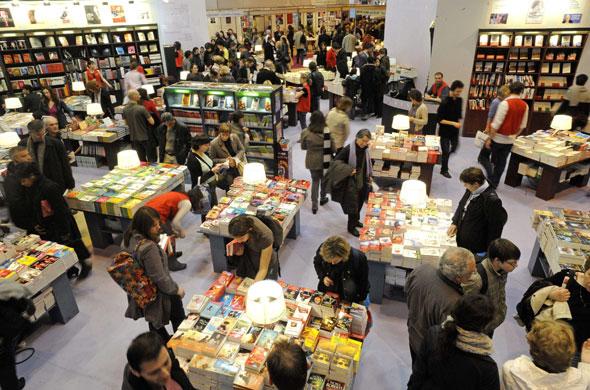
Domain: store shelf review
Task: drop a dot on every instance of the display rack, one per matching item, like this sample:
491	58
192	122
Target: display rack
546	62
54	58
202	107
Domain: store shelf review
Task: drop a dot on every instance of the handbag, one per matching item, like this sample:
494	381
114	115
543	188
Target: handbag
128	272
480	139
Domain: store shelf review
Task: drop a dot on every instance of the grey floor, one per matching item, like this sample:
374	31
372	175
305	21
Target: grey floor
89	351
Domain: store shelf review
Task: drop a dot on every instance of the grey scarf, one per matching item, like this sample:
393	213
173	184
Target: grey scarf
472	342
39	157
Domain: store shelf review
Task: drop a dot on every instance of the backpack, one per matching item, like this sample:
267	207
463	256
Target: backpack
484	278
128	272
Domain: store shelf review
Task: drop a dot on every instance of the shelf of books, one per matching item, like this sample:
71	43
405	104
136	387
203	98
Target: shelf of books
202	107
54	58
545	61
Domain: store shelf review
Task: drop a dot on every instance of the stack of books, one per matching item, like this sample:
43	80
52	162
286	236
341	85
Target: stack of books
553	148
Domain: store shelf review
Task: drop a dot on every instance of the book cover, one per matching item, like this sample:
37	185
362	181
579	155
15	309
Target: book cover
334	385
227	325
201	324
256	359
315	382
239	330
249	339
291	293
213	324
247	380
213	344
211	309
518	40
304	295
267	338
229	351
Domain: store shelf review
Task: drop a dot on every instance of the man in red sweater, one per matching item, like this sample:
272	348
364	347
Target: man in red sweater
509	121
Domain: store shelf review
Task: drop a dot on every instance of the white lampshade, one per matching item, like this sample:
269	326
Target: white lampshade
306	62
257	48
149	88
184	74
128	159
9	139
78	86
13	103
400	122
254	174
94	109
265	303
413	193
561	122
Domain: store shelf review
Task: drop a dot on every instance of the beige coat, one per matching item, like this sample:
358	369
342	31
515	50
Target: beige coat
421	118
219	152
339	125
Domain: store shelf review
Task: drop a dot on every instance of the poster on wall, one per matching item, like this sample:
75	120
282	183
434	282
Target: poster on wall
279	20
65	16
6	19
571	18
32	17
118	13
535	12
92	14
498	18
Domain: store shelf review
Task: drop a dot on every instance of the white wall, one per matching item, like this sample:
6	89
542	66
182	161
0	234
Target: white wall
407	35
182	20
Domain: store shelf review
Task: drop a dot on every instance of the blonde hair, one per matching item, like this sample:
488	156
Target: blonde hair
504	91
552	345
224	70
335	246
224	128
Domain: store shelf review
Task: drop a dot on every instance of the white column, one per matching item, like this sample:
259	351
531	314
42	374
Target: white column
184	21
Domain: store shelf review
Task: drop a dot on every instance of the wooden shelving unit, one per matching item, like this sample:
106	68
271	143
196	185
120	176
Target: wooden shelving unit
545	61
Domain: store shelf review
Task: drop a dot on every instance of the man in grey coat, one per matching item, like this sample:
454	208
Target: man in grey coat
431	293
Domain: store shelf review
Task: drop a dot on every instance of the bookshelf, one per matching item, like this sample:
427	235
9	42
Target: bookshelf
55	58
545	61
202	107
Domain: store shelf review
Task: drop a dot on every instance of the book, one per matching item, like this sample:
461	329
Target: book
483	39
518	40
528	40
577	41
249	339
538	40
553	40
229	351
246	380
213	324
256	359
227	325
566	40
197	303
315	382
267	338
334	385
239	330
211	310
327	327
244	286
304	295
213	344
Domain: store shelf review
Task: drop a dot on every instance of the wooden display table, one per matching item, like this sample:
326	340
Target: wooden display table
109	203
393	106
238	197
550	183
103	139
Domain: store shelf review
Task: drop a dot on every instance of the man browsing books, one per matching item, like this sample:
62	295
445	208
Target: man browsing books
287	366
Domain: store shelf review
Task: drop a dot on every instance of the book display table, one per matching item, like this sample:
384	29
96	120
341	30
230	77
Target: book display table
294	77
280	198
398	235
220	348
109	203
99	144
558	160
404	156
563	241
41	266
394	106
16	121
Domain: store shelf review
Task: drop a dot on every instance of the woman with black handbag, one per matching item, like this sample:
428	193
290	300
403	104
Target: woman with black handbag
142	240
201	167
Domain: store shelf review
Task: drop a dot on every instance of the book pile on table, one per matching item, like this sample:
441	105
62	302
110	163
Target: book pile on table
16	121
402	146
403	235
122	191
25	258
564	237
553	148
226	350
279	198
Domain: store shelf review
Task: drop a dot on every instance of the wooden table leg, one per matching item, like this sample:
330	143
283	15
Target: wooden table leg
217	244
549	182
377	281
96	224
513	178
65	304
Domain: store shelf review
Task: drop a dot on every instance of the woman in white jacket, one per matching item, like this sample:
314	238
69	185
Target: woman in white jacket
552	349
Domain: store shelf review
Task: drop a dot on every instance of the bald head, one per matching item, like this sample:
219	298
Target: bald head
457	264
133	95
51	125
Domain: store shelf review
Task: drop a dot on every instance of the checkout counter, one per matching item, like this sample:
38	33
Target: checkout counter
393	106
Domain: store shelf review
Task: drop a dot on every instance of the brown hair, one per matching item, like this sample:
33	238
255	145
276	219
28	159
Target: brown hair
224	128
344	104
92	86
552	345
335	246
472	175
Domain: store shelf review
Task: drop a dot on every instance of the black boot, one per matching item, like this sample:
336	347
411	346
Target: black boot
86	268
175	265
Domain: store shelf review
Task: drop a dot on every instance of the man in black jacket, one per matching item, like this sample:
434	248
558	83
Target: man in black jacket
341	60
268	73
31	99
50	155
480	217
151	366
449	122
317	86
173	139
18	205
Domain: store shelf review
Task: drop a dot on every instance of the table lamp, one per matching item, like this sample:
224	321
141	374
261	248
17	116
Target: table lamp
265	303
257	48
94	109
400	122
184	74
254	174
149	88
561	122
9	140
78	86
128	159
12	103
413	193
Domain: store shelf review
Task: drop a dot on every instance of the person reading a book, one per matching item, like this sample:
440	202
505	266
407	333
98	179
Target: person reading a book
457	354
227	148
287	366
343	270
253	247
150	365
142	239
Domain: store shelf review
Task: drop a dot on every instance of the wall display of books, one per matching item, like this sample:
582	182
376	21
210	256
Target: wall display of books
34	54
204	106
543	60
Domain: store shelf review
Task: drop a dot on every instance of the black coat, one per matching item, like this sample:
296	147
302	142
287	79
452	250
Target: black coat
105	103
62	109
182	142
55	165
317	84
269	50
132	382
32	102
340	185
19	206
342	63
266	74
355	270
195	170
369	78
457	370
481	223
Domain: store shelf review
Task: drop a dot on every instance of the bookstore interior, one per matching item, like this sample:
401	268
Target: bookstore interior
171	217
